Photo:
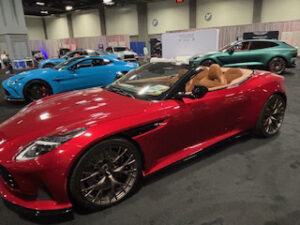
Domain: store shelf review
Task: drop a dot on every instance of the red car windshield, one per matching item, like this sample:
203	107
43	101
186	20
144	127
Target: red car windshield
151	80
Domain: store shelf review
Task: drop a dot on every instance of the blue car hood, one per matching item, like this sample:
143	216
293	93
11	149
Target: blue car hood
39	72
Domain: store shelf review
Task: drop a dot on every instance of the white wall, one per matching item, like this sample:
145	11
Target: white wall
57	27
225	12
35	27
86	24
121	20
170	15
280	10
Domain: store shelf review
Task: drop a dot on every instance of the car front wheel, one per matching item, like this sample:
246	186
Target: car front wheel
277	65
37	90
106	174
207	62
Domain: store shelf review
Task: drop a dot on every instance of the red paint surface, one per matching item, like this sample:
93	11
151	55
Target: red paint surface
189	126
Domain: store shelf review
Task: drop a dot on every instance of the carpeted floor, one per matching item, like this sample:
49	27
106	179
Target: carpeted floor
244	182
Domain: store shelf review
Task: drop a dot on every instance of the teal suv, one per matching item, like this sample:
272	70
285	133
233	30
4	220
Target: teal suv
274	55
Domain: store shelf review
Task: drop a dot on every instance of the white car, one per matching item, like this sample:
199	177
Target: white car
123	53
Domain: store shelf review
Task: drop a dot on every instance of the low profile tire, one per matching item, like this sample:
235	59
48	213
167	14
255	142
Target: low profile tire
271	117
48	65
207	62
36	90
277	65
106	174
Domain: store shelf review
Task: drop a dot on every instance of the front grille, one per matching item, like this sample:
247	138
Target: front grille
6	92
7	177
128	56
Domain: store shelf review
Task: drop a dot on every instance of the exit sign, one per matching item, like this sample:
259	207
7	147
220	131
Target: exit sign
179	1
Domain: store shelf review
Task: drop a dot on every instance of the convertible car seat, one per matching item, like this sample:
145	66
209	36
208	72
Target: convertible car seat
214	78
196	80
232	74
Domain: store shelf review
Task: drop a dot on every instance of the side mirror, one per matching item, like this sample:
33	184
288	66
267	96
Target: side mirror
199	91
230	50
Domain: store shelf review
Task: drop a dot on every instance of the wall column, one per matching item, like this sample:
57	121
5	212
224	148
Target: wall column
45	27
102	19
193	13
13	31
142	13
257	8
70	25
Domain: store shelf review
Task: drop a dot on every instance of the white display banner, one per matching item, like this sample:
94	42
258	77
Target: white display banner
189	43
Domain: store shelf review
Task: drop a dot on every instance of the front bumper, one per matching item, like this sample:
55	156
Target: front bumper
11	94
32	206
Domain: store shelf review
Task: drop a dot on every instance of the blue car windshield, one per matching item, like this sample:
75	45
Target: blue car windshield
65	64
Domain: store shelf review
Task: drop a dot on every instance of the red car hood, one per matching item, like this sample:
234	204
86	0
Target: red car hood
69	111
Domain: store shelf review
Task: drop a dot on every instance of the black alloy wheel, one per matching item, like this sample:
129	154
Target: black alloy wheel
208	62
271	117
48	65
37	90
277	65
108	173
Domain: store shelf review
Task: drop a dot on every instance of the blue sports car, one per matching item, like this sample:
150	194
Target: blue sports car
76	73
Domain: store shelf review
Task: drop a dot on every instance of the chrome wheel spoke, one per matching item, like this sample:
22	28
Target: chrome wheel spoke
110	175
273	116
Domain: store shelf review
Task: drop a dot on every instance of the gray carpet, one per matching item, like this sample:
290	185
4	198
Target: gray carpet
244	182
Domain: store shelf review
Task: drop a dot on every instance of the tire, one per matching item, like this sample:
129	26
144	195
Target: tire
271	117
48	65
277	65
106	174
36	90
207	62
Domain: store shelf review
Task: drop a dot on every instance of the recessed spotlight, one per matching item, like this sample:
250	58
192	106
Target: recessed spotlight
69	7
108	2
44	12
40	3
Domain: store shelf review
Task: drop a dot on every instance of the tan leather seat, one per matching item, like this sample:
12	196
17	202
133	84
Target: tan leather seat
232	74
214	78
196	80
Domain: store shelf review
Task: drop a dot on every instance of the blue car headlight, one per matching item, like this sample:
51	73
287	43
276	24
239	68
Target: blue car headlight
44	145
16	81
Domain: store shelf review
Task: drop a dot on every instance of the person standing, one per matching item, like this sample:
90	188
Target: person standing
6	61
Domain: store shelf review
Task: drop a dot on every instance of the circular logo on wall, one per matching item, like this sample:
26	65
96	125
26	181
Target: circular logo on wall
154	22
208	16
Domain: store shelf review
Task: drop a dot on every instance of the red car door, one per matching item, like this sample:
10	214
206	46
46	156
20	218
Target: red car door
191	123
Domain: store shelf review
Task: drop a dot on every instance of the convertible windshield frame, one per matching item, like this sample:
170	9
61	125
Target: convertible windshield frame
67	63
168	94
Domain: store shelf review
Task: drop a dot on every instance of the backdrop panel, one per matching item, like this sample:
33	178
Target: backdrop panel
189	43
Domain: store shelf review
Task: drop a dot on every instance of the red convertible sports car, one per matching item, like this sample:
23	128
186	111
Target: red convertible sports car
90	148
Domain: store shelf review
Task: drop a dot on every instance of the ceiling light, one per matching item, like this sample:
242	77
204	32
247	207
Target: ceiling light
44	12
108	2
69	7
40	3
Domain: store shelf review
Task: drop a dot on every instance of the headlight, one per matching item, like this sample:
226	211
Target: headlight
16	81
47	144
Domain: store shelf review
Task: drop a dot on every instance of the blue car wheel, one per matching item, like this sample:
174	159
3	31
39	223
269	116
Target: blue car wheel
37	89
48	65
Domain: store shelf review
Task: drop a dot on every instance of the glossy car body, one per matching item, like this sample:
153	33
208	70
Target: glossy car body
256	52
55	61
179	128
68	78
123	53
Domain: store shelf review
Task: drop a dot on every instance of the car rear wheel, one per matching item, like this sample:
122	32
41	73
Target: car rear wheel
48	65
277	65
106	174
271	117
207	62
37	90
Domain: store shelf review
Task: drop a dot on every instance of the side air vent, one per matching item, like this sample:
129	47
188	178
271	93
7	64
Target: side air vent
142	129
